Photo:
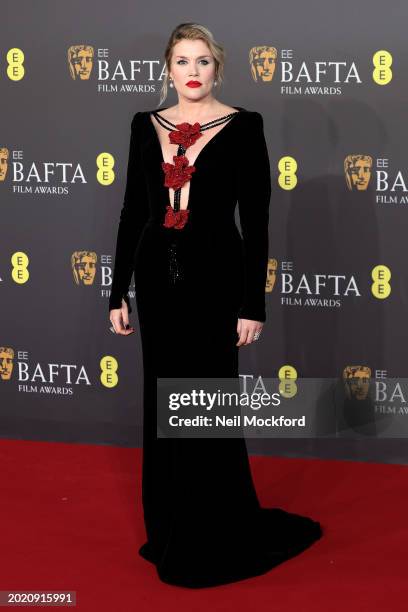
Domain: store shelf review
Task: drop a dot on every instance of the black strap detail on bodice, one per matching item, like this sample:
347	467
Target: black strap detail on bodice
175	270
181	150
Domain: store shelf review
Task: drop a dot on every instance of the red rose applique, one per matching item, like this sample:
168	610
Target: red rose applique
186	134
176	219
179	173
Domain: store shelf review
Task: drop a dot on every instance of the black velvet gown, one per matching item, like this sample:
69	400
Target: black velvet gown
204	524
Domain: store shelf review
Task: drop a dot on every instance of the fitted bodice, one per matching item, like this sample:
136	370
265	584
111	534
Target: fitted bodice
232	168
214	179
192	152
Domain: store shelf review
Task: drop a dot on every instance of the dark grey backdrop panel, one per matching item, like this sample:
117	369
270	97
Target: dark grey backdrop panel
54	332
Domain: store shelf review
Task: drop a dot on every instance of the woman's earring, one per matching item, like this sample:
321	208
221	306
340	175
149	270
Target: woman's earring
215	83
171	83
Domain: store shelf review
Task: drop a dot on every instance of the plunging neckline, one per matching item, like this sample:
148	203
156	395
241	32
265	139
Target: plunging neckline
158	143
239	111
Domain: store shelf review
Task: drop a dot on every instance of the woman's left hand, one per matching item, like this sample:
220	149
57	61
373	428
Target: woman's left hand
246	329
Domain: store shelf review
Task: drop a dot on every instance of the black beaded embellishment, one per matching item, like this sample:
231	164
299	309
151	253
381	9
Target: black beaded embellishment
175	273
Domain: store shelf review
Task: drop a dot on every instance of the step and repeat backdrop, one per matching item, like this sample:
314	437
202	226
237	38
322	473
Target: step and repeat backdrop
330	81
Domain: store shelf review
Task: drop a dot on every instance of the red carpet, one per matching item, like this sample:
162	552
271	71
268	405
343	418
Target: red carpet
71	519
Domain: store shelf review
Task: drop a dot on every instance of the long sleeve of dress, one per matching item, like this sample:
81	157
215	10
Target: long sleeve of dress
133	216
254	192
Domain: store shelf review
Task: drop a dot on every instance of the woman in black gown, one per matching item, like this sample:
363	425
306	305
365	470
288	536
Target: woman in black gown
200	294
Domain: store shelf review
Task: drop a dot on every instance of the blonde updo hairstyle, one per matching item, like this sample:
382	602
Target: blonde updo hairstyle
193	31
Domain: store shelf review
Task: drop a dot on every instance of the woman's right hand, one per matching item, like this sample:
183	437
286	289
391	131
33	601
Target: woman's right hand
119	317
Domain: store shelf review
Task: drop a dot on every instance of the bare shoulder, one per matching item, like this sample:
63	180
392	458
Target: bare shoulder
167	113
225	109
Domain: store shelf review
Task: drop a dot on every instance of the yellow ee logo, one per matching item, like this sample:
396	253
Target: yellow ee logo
109	366
382	73
19	272
287	167
287	376
15	68
105	163
381	287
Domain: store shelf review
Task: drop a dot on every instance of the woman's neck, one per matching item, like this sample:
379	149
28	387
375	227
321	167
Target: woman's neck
191	111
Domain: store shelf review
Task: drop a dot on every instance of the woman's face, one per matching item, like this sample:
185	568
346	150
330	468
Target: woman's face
192	69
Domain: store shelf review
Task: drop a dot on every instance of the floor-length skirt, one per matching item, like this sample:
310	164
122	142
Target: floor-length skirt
204	524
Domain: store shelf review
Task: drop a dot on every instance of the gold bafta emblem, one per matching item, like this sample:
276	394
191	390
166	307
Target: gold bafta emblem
84	267
80	61
4	155
6	362
357	170
263	61
271	274
357	381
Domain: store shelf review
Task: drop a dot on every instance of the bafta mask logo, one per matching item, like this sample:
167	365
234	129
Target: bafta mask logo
357	381
84	267
357	169
80	61
271	274
4	155
6	362
263	62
